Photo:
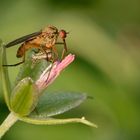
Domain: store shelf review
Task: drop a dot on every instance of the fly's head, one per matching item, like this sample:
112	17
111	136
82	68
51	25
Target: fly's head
62	34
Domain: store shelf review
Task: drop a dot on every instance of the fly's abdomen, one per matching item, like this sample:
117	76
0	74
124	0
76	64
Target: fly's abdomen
20	51
23	48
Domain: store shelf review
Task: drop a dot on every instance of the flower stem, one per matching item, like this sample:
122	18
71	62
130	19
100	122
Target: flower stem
52	121
8	122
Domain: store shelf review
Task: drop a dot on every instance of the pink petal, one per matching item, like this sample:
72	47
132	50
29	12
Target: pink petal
53	72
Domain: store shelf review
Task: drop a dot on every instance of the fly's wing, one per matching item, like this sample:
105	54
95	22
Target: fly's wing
22	39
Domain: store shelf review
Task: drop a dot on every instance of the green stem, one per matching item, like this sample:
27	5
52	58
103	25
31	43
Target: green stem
4	74
53	121
8	122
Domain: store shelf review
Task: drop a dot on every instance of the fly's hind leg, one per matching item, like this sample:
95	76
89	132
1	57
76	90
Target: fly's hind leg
12	65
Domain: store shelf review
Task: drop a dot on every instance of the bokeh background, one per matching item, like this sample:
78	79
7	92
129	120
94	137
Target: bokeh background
105	36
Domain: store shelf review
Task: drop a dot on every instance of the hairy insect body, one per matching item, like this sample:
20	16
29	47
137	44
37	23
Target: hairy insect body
44	41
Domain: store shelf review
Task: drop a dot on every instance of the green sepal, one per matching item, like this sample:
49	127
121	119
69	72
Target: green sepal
31	69
51	104
24	97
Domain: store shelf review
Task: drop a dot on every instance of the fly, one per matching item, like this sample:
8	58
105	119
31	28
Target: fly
44	41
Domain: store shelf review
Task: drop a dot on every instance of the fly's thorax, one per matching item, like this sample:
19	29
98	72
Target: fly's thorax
50	30
50	36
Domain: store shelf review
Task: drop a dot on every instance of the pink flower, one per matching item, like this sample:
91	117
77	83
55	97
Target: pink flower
53	71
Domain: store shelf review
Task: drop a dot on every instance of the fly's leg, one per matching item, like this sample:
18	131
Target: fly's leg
43	49
64	49
55	53
50	71
12	65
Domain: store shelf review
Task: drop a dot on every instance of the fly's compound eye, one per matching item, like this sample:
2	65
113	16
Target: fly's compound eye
63	34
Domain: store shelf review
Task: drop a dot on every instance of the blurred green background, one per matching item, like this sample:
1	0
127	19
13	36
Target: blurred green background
105	36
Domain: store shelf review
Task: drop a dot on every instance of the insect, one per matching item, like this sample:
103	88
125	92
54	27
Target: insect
44	41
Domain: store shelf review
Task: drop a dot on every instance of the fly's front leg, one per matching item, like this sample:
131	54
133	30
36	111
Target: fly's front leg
64	49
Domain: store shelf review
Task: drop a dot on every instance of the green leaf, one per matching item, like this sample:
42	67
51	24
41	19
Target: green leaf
53	121
24	97
4	74
51	104
30	69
